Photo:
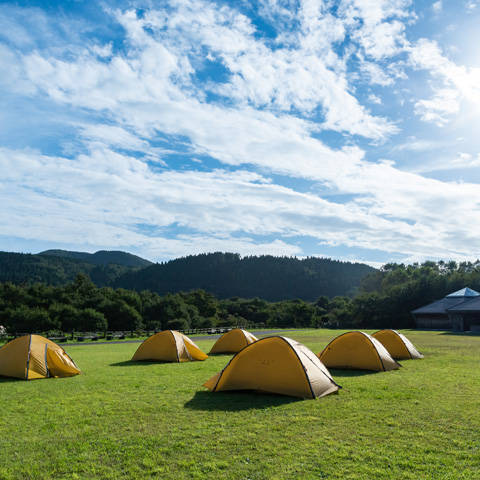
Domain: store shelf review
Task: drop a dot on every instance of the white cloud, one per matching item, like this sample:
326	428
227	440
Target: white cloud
417	145
378	25
389	210
98	136
22	27
12	77
457	83
306	75
460	162
466	160
116	191
383	40
103	51
470	6
442	105
437	7
372	98
157	69
375	74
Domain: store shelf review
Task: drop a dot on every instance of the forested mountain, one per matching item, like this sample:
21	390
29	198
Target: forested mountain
230	275
225	275
102	257
23	268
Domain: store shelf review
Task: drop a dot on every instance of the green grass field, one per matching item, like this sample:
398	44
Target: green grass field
123	420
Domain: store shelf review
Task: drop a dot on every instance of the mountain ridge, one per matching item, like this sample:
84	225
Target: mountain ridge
102	257
230	275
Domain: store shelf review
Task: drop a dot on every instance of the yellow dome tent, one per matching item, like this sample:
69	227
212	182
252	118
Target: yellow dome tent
233	341
357	351
397	344
169	346
33	356
275	365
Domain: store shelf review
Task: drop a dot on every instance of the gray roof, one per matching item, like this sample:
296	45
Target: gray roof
471	305
440	306
447	303
464	292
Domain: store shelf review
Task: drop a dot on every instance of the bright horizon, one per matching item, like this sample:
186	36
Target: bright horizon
343	129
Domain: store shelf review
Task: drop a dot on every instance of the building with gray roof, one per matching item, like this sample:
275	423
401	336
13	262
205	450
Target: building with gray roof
447	313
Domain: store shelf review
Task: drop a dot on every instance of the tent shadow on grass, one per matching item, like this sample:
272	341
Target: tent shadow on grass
462	334
237	401
130	363
220	354
10	379
337	372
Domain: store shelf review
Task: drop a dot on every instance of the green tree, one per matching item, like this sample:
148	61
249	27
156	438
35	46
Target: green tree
121	316
206	303
65	316
177	324
89	320
24	319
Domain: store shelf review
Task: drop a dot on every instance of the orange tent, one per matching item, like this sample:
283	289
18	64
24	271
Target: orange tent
357	351
275	365
33	356
233	341
169	346
397	344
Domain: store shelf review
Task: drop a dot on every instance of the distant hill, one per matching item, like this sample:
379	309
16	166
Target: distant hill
229	275
57	270
27	268
102	257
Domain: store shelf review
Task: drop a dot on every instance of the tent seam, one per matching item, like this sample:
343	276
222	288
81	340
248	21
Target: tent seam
176	348
28	356
301	363
186	349
376	351
46	361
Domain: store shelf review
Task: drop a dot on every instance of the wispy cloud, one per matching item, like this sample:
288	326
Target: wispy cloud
456	83
439	108
119	191
462	161
437	7
470	6
416	145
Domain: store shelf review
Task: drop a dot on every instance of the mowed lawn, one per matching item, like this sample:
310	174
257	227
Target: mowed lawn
125	420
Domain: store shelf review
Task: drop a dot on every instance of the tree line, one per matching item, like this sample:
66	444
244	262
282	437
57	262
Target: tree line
385	300
387	297
82	306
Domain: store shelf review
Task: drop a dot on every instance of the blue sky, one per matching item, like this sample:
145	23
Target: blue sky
346	129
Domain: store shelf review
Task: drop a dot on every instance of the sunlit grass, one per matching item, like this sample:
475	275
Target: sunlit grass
124	420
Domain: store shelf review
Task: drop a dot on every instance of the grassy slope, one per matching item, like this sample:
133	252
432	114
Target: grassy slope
122	420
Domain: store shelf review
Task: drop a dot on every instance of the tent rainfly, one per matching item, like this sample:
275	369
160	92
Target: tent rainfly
357	351
275	365
233	341
397	344
169	346
32	356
